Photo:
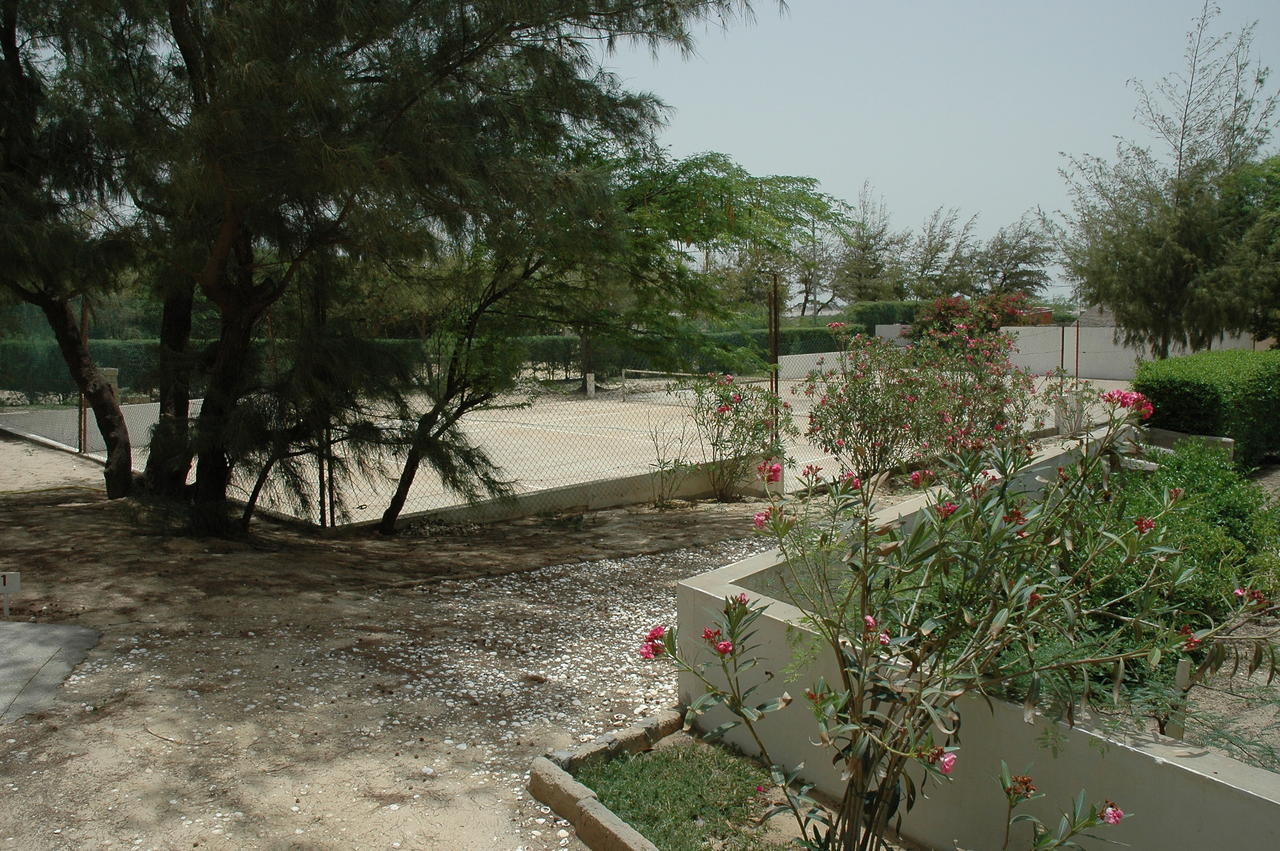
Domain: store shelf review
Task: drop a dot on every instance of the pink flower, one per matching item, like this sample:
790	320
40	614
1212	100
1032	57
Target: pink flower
1239	592
1111	814
1144	524
656	634
724	648
810	471
650	649
870	622
884	638
769	472
711	635
851	480
760	518
840	443
736	398
728	379
1140	404
759	788
946	509
723	409
947	763
742	598
835	326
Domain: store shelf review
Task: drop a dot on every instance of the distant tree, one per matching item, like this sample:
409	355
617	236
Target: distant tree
871	261
1145	234
940	258
1250	224
778	224
1015	260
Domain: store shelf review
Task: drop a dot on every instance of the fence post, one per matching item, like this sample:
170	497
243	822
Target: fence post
1177	726
82	433
775	319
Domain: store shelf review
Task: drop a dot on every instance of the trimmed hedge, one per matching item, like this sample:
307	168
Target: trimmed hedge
1232	394
35	366
866	315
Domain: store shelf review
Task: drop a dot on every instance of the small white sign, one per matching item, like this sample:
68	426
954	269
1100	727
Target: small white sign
10	583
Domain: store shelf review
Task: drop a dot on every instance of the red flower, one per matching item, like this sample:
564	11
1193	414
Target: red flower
724	648
946	509
1144	524
711	635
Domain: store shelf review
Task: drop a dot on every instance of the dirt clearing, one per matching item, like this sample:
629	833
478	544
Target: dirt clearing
298	691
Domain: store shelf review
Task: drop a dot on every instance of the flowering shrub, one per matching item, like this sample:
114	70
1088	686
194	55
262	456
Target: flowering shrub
740	426
987	590
884	406
1019	788
980	316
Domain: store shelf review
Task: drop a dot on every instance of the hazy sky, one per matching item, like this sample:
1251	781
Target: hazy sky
963	104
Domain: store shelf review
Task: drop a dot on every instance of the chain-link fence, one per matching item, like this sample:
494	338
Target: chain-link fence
630	441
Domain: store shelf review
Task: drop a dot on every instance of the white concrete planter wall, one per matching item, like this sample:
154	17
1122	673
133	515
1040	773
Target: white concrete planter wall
1180	796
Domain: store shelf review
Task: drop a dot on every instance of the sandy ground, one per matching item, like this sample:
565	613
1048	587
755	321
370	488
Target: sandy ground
26	466
295	691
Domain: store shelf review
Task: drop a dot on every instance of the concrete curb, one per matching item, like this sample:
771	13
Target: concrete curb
551	782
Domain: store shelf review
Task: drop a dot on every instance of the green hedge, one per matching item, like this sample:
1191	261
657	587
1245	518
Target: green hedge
866	315
35	366
1233	394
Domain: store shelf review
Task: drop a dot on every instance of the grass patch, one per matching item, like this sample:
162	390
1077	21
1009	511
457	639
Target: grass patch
685	798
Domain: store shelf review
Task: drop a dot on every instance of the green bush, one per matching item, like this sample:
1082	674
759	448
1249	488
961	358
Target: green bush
1233	394
551	353
36	366
866	315
1226	528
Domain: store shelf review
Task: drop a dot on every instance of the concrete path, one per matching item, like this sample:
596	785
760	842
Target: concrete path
34	660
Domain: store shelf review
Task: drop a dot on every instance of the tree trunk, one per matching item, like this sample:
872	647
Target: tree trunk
213	460
411	464
407	475
100	395
169	460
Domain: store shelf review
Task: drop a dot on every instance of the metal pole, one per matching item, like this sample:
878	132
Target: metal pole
1077	348
328	448
321	491
82	435
775	319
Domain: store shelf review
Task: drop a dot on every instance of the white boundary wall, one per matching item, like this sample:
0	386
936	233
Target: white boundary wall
1043	348
1179	796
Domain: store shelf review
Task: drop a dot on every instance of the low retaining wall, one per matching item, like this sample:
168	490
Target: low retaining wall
1180	796
1083	351
585	496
